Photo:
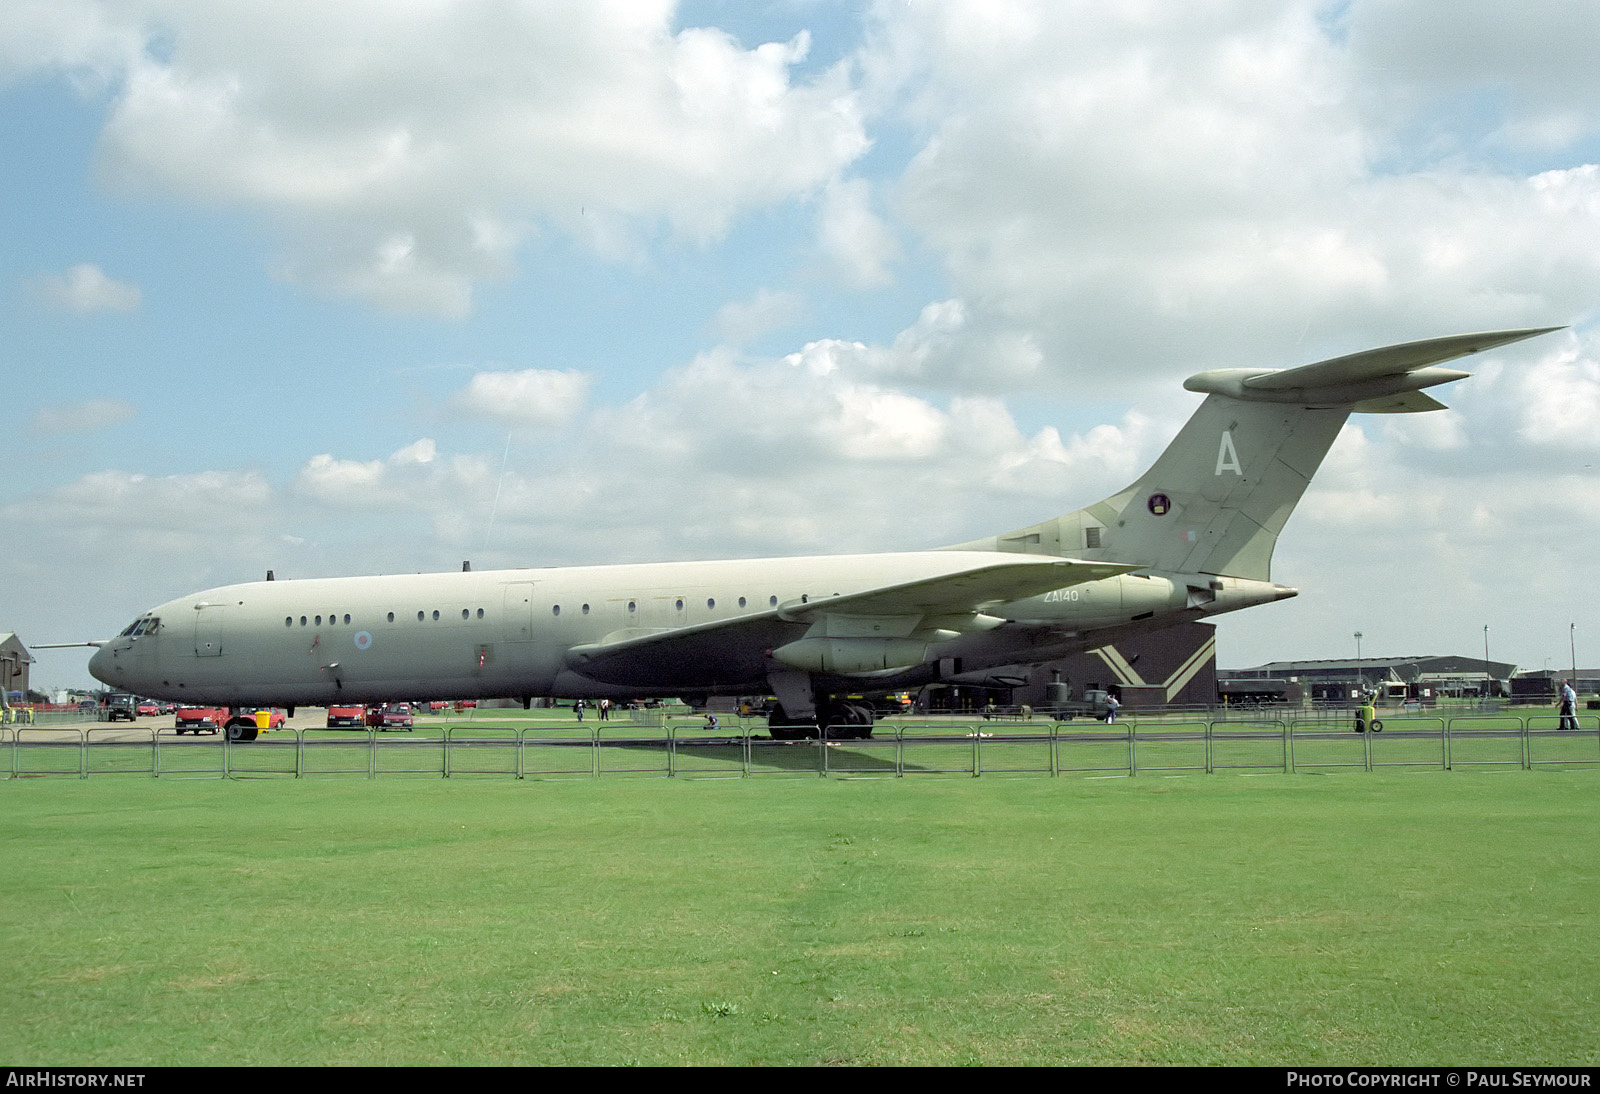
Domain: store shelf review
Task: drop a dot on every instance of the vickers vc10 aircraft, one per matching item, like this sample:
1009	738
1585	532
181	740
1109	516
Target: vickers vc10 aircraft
1192	538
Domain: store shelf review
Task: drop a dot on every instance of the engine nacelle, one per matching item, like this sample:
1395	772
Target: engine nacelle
852	656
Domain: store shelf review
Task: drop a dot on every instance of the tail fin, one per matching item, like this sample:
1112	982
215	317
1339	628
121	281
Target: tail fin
1217	498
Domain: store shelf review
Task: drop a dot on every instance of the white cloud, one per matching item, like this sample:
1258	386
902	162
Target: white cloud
1134	196
406	153
532	396
943	348
853	236
741	321
1559	399
85	289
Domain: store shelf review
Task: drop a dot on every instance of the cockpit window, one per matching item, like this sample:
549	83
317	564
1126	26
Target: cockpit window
145	624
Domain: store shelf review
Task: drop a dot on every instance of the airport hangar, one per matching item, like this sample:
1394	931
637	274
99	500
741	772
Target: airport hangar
15	661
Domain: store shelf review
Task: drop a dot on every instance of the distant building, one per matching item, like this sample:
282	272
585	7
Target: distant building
1425	677
1541	685
14	662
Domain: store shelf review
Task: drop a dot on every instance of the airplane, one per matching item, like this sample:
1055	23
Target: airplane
1193	537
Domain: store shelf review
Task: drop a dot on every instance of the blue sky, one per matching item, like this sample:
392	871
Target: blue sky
378	287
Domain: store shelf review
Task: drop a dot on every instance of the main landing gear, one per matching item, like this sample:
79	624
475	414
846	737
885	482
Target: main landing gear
841	720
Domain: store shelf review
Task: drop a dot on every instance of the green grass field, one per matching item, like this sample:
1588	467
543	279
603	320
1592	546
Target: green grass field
1392	917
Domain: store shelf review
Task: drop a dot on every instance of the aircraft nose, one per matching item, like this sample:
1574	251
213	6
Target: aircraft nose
100	665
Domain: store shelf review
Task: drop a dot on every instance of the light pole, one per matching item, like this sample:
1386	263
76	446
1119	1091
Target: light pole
1572	638
1488	685
1361	677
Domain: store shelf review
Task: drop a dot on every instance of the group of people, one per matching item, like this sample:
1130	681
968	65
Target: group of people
603	706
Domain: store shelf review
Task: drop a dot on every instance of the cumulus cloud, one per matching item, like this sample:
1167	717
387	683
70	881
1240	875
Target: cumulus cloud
405	154
85	289
412	476
853	236
1560	399
542	397
940	349
1136	196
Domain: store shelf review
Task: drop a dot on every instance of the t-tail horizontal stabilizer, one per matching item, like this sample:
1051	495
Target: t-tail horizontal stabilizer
1214	502
1375	381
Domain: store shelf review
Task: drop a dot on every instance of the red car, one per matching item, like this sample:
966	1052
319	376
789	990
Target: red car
148	709
348	716
393	716
199	719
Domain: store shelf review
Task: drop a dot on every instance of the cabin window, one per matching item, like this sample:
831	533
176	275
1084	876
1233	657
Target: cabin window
466	613
319	620
773	602
391	617
711	602
555	609
419	617
436	615
680	605
480	613
741	602
347	618
302	620
633	605
288	621
586	609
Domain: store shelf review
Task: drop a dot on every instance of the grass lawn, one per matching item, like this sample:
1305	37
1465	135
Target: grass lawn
1394	917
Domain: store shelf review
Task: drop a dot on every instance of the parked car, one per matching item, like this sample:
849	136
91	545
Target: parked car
392	716
199	720
347	716
120	708
148	709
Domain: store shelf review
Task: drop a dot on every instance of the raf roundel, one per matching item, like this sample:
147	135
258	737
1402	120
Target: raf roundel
1159	504
363	639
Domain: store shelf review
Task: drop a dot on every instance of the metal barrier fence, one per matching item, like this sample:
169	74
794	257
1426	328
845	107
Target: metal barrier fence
1094	749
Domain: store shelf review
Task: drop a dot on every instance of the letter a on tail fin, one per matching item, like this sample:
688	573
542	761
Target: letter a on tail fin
1215	501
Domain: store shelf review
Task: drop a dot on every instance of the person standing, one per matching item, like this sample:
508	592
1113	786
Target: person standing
1569	706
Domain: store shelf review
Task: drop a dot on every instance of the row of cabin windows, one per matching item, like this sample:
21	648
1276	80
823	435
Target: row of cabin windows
334	619
633	605
466	613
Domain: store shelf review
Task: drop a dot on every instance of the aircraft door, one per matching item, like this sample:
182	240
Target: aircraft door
518	626
209	622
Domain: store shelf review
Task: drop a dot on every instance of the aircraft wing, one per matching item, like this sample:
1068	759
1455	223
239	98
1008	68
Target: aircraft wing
737	649
958	593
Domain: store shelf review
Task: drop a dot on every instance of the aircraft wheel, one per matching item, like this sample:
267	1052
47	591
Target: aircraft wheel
848	721
241	730
782	727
